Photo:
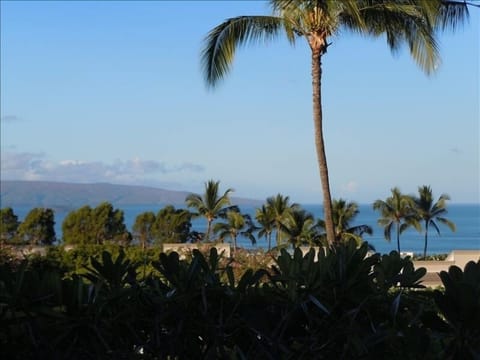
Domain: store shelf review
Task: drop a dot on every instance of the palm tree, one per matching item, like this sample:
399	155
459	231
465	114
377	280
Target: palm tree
279	205
412	22
236	224
397	210
266	219
211	204
428	211
344	214
299	226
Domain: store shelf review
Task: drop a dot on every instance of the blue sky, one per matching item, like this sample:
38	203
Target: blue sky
113	92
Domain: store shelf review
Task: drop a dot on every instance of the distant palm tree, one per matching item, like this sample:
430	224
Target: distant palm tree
344	214
298	226
236	224
397	210
410	22
280	206
210	204
266	219
428	211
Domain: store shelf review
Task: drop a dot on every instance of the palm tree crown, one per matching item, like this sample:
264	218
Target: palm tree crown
280	206
299	227
396	211
411	22
266	219
343	214
236	224
428	211
210	204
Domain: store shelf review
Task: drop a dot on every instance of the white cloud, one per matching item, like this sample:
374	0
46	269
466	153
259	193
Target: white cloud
70	162
35	166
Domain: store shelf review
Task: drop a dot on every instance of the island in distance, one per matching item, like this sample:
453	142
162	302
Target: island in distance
72	195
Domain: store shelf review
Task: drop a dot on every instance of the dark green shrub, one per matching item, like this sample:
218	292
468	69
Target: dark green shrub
345	305
459	304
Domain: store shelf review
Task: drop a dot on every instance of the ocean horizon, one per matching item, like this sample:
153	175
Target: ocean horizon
465	216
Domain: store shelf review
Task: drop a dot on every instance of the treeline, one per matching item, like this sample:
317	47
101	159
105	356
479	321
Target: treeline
96	225
287	222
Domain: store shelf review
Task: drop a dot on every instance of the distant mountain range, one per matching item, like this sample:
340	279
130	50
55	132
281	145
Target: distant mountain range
70	195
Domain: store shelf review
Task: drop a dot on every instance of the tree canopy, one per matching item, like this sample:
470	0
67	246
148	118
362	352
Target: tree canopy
38	227
8	225
97	225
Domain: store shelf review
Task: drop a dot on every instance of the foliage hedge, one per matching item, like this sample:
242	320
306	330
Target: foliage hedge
91	305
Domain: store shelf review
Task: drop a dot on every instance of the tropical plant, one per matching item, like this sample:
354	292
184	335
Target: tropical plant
280	206
428	211
201	315
266	219
347	299
344	214
236	224
411	22
338	303
210	204
459	307
396	211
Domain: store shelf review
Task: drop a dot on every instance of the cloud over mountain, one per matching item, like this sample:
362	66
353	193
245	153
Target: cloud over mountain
36	166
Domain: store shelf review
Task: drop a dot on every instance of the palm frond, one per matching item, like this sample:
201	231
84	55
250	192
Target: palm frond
387	231
452	14
424	49
447	222
360	230
403	227
222	42
404	22
351	236
195	201
435	226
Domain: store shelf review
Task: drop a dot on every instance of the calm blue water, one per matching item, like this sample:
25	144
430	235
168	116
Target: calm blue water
465	216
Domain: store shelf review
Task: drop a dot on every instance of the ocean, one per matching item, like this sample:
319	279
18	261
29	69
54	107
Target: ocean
465	216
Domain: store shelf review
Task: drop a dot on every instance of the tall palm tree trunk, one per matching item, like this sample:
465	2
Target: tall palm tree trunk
320	144
277	234
426	235
234	238
269	237
209	226
398	236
